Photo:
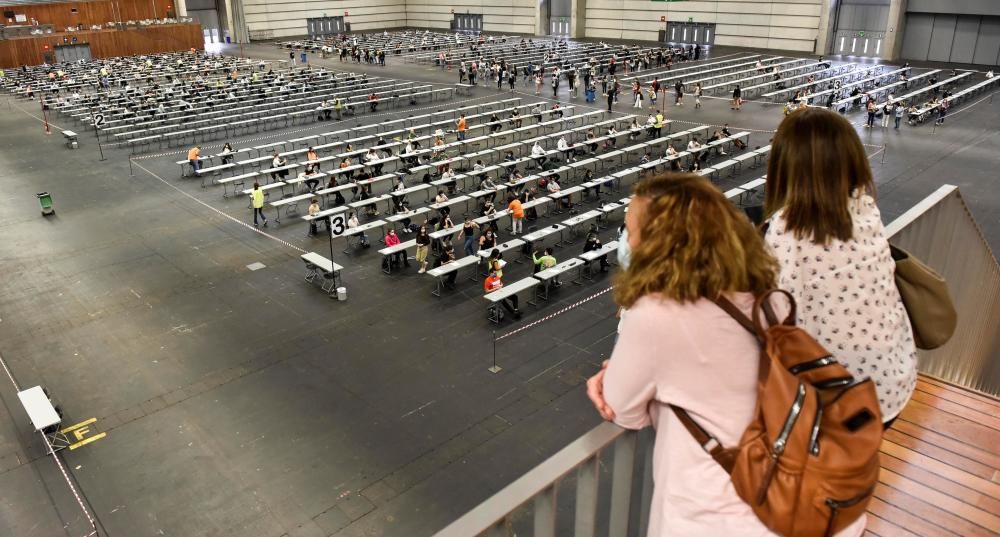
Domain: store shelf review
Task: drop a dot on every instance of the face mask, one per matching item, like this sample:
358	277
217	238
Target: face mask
624	251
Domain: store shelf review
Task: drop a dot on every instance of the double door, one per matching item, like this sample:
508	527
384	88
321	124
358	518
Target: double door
690	33
323	26
467	22
72	53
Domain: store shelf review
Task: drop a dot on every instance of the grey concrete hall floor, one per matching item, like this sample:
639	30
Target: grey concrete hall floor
246	403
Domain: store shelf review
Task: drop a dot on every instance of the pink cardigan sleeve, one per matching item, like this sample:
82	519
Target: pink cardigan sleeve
629	383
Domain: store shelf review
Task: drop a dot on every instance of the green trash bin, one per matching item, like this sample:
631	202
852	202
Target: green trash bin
45	200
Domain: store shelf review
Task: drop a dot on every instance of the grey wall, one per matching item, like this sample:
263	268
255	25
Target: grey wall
866	15
951	38
957	7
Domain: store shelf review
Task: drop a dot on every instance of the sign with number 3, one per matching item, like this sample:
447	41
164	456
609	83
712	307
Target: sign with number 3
337	225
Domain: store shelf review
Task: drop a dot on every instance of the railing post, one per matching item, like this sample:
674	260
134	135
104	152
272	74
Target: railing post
621	483
586	499
545	512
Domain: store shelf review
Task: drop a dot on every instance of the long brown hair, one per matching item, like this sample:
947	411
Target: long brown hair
816	163
693	243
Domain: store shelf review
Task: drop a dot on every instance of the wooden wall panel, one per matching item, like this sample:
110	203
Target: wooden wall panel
105	43
88	13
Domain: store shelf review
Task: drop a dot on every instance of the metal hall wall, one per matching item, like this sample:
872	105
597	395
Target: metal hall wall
952	38
860	28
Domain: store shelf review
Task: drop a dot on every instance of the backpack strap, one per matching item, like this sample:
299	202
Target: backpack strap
737	315
707	442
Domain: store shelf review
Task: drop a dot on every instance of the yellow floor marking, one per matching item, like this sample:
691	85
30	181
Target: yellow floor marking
78	425
87	441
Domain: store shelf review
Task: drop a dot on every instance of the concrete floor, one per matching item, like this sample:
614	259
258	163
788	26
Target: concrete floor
246	403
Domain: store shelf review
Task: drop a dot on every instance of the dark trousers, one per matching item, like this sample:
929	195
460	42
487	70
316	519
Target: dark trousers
510	303
260	212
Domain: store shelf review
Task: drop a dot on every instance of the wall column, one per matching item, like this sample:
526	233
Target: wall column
180	8
894	29
578	20
827	16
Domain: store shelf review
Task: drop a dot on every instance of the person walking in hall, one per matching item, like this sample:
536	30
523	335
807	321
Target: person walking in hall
737	98
469	228
826	231
674	340
942	110
871	108
697	95
257	204
194	159
313	211
461	126
679	93
555	84
512	77
887	110
423	240
516	214
900	109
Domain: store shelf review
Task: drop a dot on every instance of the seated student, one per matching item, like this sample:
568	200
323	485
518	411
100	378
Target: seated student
226	155
591	144
594	243
538	154
373	101
277	162
313	211
371	157
494	283
312	182
441	198
495	123
391	239
353	222
488	184
567	150
447	256
612	140
312	156
478	166
495	262
545	261
449	177
556	112
694	147
515	119
509	156
635	129
536	111
716	136
740	144
488	239
344	164
695	166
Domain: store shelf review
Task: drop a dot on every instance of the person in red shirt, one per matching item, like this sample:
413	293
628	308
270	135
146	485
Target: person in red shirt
391	239
494	283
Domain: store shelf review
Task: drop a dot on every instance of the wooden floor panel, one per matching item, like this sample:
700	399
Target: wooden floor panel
940	467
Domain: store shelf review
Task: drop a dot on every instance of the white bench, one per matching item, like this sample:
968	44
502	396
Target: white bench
507	291
593	255
551	274
438	273
71	139
389	251
319	267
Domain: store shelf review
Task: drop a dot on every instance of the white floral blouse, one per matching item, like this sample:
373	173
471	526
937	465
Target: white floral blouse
847	299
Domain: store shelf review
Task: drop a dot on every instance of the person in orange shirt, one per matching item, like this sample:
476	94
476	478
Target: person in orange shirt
461	127
311	156
194	158
516	214
494	283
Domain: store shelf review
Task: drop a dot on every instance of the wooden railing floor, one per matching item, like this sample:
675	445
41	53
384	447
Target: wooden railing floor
940	467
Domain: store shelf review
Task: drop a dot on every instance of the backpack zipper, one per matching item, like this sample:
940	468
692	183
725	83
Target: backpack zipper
781	441
814	435
809	366
836	505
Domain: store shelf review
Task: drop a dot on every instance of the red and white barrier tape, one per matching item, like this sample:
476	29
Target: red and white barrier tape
554	314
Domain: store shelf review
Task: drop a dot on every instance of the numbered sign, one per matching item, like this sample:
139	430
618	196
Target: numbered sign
337	225
99	119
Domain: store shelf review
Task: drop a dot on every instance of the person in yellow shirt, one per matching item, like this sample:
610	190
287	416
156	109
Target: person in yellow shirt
194	158
257	202
658	124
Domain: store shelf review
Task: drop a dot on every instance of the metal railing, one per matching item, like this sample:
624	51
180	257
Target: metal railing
939	230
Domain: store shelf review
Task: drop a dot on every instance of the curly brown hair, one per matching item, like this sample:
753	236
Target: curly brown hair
693	243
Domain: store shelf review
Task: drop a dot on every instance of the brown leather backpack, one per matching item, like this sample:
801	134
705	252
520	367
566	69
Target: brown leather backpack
808	462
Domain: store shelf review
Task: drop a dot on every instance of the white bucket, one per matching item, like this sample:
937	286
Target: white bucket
341	294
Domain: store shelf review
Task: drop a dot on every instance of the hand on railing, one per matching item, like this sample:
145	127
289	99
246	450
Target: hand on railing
595	391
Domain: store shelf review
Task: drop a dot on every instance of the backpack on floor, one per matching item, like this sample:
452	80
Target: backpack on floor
808	462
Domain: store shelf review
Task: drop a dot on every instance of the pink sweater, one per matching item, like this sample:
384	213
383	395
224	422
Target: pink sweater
697	357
